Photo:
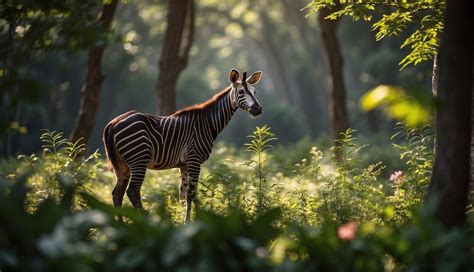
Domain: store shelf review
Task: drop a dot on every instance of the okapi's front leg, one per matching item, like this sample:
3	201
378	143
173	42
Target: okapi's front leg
194	169
184	184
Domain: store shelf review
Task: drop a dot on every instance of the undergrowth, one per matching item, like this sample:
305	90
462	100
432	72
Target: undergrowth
256	214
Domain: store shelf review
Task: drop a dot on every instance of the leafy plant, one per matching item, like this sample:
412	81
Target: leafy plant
328	217
427	16
416	149
60	166
259	146
353	193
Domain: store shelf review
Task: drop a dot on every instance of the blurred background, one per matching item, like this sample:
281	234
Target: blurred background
275	37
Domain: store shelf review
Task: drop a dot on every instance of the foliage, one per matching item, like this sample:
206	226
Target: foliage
323	215
59	167
51	238
397	104
313	190
416	149
259	146
398	16
418	246
353	193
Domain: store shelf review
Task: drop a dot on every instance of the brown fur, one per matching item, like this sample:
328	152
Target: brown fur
204	104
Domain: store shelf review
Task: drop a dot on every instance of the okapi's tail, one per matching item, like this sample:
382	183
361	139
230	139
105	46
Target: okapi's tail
109	145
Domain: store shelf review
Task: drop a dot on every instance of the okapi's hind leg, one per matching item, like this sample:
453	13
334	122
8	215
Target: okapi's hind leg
119	190
136	181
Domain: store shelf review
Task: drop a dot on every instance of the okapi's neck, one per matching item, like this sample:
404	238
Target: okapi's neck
221	112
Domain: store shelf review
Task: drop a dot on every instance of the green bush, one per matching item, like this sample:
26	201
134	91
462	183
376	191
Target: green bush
322	215
416	149
53	238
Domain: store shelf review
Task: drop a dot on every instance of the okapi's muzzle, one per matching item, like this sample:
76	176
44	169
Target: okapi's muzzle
255	110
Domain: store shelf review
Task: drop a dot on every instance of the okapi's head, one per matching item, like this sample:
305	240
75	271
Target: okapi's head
243	91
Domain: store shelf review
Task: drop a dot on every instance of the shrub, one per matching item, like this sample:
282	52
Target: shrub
416	149
53	238
323	216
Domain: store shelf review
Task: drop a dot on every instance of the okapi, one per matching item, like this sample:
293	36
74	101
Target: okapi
135	141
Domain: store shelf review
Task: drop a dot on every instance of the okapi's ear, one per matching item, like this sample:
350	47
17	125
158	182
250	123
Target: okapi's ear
253	79
234	76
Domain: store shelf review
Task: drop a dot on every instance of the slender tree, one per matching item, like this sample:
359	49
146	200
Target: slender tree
451	172
91	90
179	36
337	91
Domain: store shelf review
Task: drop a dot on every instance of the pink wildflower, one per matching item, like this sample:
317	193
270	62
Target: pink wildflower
396	176
347	231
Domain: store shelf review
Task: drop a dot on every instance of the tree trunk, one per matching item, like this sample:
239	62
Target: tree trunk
471	184
178	40
337	92
451	174
91	90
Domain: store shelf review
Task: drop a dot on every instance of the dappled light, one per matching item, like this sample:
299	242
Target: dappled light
209	135
397	104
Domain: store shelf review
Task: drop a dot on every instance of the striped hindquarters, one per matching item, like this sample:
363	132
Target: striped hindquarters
133	139
108	139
